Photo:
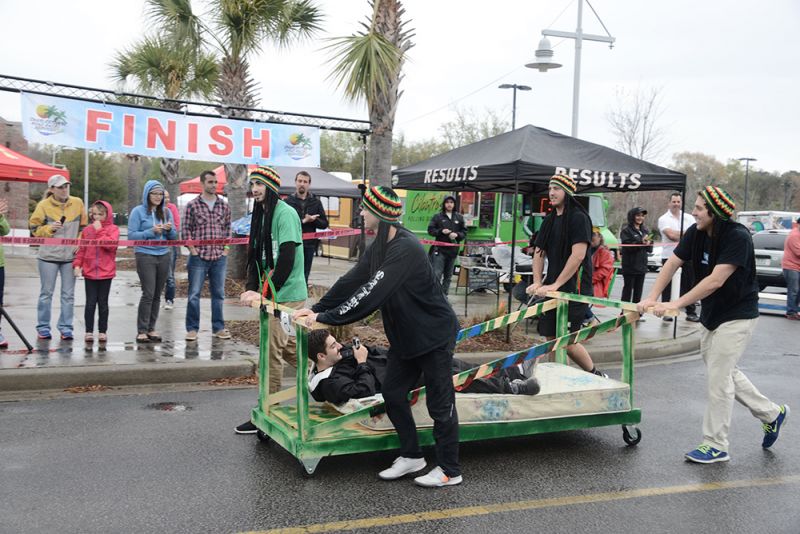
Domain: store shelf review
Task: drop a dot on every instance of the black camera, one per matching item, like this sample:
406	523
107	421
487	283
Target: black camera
356	343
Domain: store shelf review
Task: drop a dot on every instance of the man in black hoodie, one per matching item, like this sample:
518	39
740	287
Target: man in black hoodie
343	373
447	226
395	276
312	216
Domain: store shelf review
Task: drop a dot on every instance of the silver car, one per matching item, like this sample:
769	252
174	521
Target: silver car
768	246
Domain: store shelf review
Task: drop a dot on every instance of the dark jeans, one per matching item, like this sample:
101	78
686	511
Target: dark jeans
687	280
632	290
152	271
443	266
791	276
493	384
308	257
169	292
401	375
96	296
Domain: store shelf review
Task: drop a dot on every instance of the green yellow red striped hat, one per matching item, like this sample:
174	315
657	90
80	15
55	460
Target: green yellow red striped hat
564	182
267	176
719	201
383	203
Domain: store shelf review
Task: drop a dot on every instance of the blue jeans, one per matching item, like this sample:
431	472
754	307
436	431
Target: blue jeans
169	293
792	290
48	272
198	270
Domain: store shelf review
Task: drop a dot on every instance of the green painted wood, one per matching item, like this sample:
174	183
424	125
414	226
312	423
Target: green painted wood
263	358
504	320
302	381
562	318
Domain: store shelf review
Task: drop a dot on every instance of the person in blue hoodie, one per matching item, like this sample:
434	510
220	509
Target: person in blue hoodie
151	221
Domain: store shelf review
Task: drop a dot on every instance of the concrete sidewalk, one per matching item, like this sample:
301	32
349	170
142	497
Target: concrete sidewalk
57	364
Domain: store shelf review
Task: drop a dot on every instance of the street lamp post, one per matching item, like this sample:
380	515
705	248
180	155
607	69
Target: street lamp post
746	177
544	55
515	87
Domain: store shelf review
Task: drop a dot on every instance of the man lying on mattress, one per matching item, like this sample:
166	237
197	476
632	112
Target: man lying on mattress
343	373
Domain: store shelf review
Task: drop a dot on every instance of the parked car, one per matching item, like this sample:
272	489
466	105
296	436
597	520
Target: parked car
654	260
768	246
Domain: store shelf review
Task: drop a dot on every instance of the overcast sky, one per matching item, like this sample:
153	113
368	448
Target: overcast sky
729	71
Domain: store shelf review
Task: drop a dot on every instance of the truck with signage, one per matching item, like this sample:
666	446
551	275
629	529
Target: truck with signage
489	216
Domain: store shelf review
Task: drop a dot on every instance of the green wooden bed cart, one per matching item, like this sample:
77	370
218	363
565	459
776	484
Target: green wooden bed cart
569	399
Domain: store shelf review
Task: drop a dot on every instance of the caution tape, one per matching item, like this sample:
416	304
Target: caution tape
56	241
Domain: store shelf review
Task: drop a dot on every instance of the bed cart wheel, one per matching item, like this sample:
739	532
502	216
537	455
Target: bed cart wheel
309	465
262	437
631	434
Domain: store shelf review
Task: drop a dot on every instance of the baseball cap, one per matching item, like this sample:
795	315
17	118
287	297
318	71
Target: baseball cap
57	180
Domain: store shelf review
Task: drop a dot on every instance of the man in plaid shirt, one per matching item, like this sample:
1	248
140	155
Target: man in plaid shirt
207	217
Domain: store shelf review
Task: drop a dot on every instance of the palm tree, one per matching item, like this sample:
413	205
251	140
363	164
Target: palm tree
237	30
166	67
368	65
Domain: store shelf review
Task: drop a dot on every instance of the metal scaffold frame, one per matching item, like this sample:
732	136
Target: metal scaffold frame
312	431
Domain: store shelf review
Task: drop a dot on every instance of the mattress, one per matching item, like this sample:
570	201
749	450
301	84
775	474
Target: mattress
565	391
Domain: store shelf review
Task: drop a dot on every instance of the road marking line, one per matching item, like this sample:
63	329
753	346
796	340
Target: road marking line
468	511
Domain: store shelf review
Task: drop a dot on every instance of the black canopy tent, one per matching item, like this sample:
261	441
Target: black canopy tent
523	160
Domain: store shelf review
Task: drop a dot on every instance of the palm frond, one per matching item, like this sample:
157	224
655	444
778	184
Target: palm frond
364	64
176	19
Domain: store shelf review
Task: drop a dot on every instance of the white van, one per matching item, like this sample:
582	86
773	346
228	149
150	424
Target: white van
756	221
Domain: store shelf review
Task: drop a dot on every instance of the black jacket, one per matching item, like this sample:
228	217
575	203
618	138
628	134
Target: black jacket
440	222
349	379
312	205
634	259
417	318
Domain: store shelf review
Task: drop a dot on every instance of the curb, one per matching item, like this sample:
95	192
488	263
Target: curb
121	375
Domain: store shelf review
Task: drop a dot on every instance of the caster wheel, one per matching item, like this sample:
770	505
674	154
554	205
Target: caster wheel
631	434
262	437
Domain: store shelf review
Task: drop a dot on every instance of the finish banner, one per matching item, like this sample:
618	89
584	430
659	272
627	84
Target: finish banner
147	132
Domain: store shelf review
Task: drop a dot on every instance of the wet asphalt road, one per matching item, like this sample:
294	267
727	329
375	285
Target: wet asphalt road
116	464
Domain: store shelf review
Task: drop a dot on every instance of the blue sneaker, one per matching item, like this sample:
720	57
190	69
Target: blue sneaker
66	335
706	454
44	333
772	429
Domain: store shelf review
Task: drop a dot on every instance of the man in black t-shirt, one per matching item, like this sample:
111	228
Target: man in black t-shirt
721	253
564	238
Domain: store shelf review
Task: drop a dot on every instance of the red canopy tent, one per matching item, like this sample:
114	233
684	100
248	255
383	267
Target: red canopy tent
15	167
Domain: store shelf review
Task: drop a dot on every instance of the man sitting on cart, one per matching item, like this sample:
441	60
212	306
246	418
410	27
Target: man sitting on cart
342	373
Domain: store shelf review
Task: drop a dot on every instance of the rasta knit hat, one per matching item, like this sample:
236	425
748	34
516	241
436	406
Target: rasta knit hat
383	203
564	182
720	202
267	176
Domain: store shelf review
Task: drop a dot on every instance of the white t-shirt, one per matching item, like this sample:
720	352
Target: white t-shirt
668	220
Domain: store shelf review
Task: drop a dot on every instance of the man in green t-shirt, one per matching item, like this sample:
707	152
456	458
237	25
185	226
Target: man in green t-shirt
274	268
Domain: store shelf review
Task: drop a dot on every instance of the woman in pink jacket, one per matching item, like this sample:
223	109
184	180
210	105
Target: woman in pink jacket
99	267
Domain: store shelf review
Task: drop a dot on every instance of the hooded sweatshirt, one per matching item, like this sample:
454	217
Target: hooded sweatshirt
441	221
99	262
142	221
634	259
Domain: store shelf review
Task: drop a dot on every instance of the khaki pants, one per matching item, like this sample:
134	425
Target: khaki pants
721	349
282	348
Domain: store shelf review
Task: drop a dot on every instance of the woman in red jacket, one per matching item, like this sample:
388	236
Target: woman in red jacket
602	265
99	267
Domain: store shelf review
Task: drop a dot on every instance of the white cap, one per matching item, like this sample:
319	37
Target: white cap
57	180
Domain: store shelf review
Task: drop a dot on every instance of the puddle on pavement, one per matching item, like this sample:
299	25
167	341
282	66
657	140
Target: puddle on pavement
169	407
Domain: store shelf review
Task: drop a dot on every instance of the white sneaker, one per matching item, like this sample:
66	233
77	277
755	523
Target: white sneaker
401	467
436	479
168	305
